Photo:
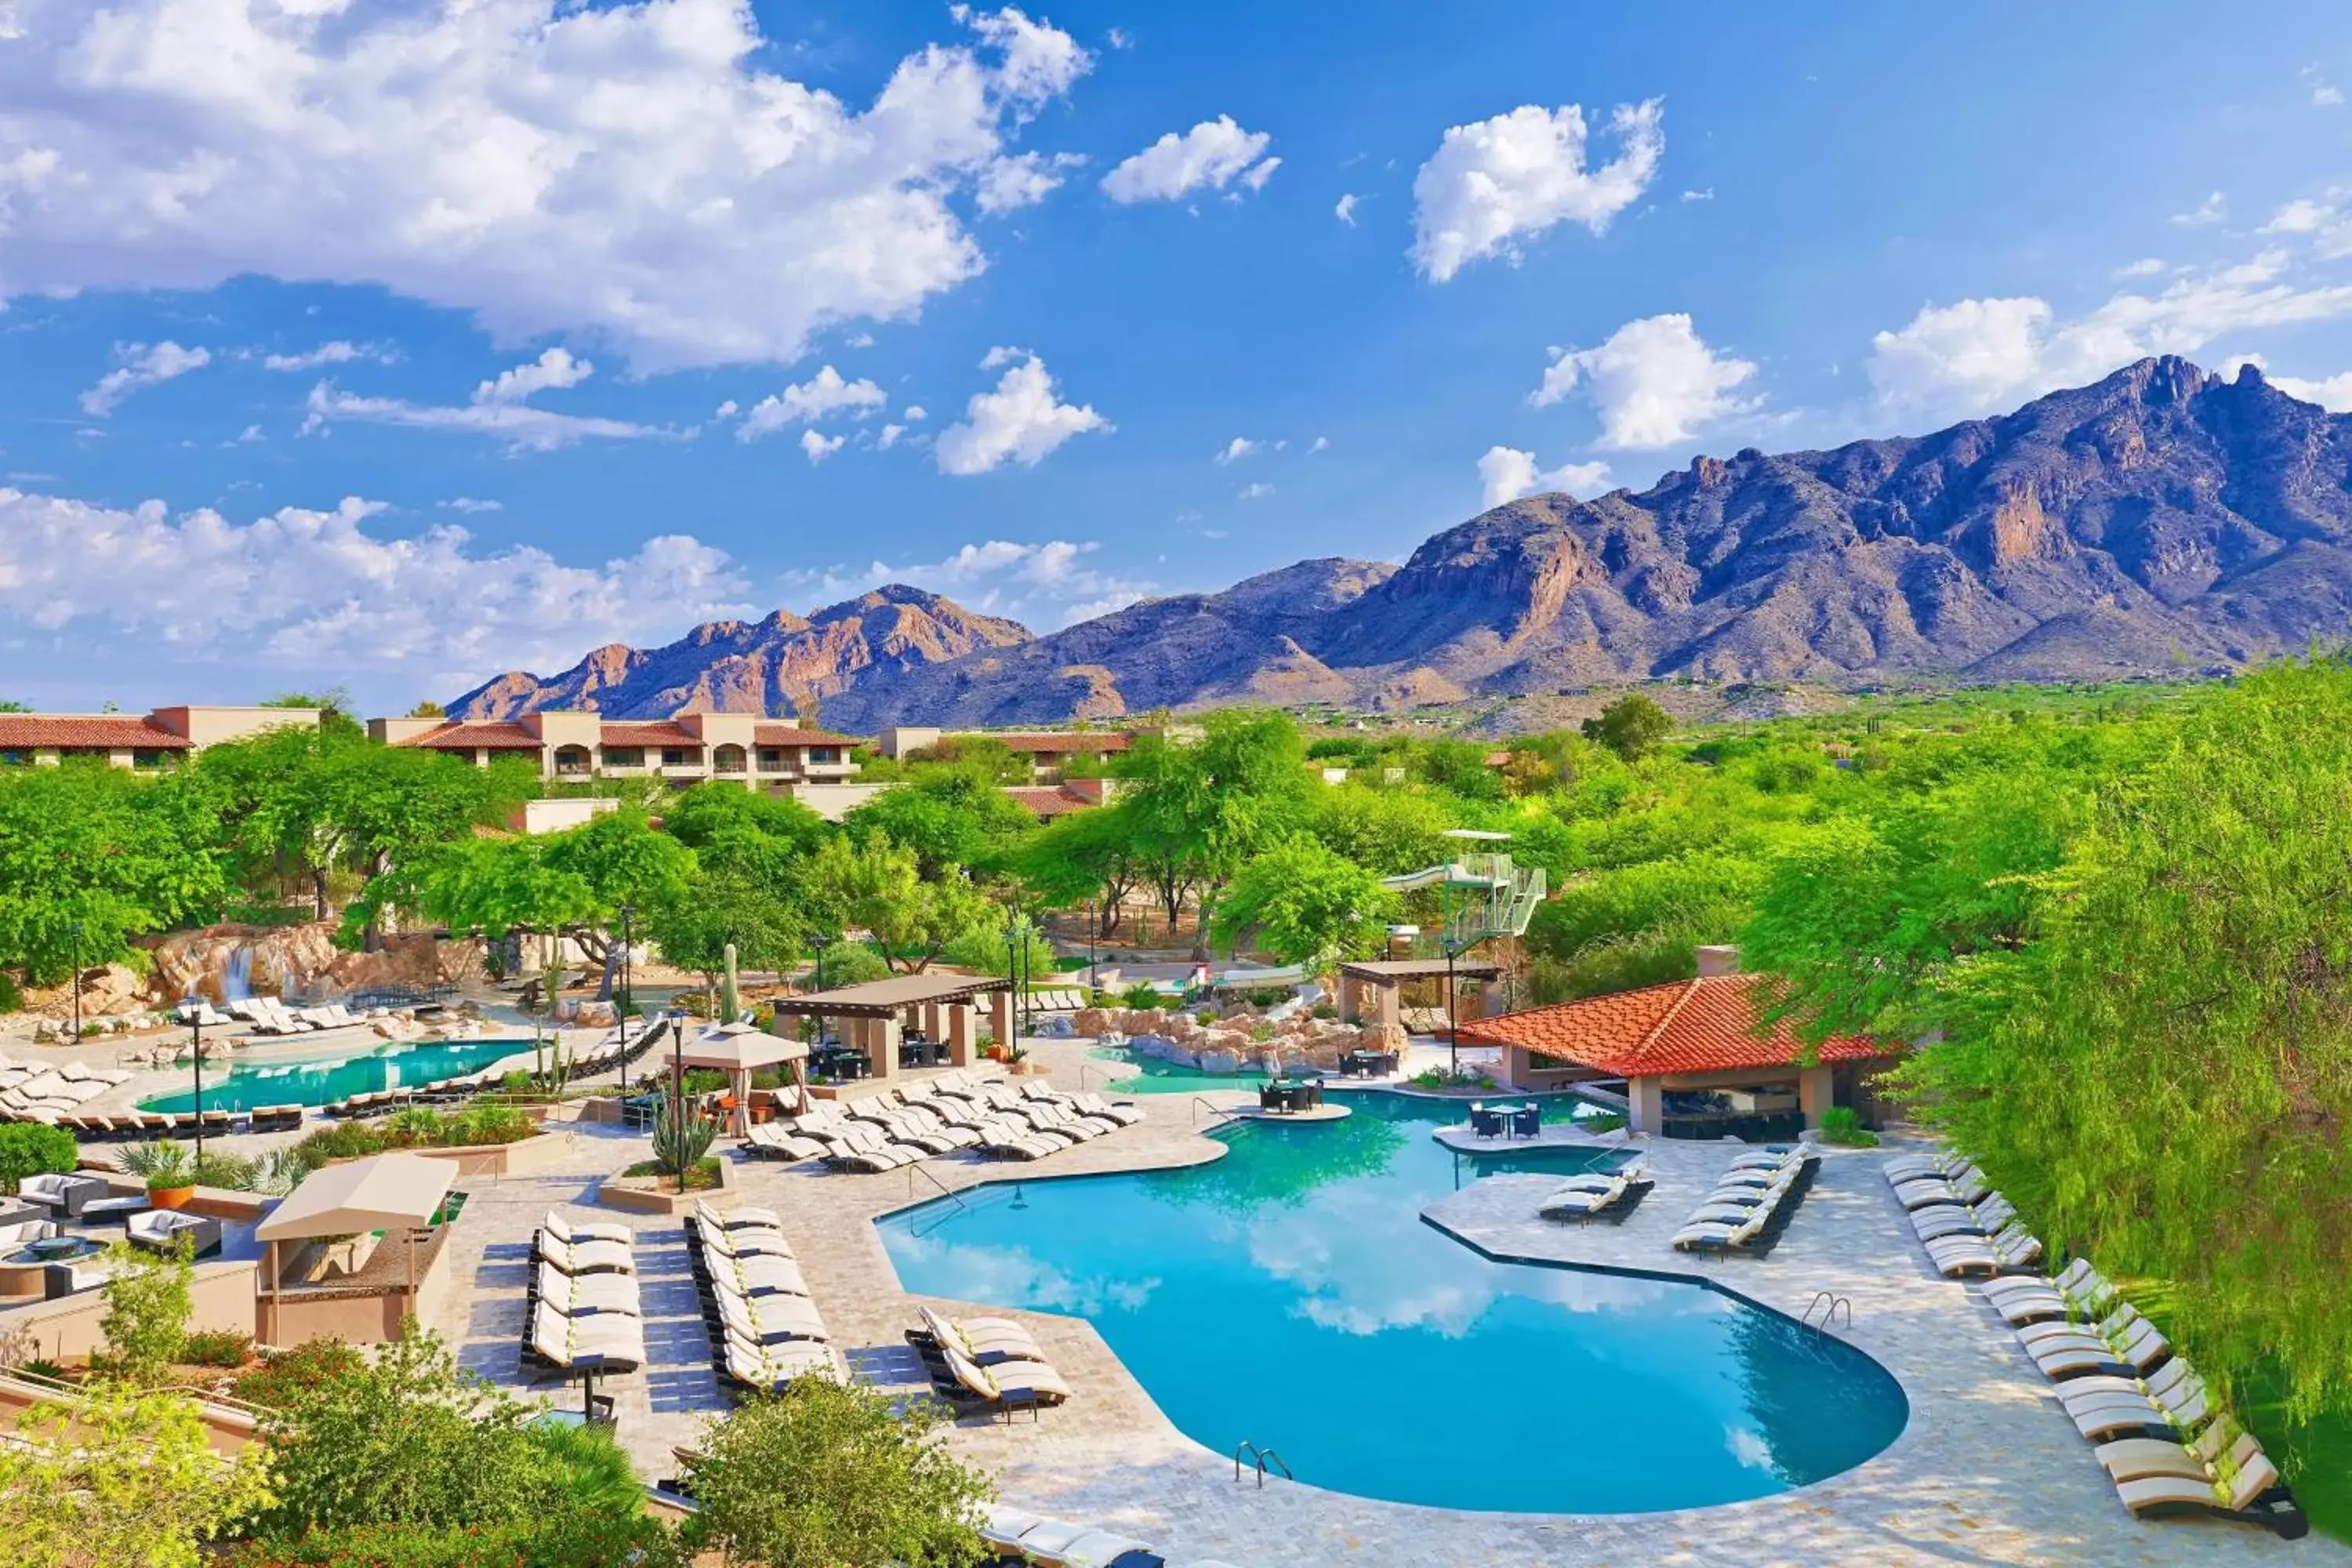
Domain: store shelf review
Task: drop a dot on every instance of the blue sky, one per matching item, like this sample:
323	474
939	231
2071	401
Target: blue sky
394	342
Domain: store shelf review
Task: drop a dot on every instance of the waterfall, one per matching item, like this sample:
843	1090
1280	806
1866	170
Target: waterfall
237	975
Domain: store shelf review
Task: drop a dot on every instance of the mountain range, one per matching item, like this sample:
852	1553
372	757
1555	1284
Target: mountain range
2162	522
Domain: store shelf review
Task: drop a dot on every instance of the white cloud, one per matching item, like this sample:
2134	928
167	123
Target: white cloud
251	434
2326	96
2303	216
819	446
1706	196
1982	356
499	408
1208	156
1491	183
634	171
999	576
1118	39
1021	420
553	370
1345	211
137	366
2146	267
1320	443
821	396
2211	210
916	411
1505	473
888	437
473	504
1654	383
1007	184
2332	393
338	351
315	592
1254	490
1234	450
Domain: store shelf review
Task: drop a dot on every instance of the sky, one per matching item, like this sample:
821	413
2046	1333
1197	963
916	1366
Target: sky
393	344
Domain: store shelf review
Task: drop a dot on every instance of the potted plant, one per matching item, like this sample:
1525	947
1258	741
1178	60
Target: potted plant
1016	1059
170	1174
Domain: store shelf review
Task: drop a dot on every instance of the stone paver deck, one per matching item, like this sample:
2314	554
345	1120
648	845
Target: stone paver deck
1987	1471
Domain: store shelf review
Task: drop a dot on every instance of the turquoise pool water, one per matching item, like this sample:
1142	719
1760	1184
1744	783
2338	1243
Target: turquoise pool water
1148	1075
244	1085
1290	1295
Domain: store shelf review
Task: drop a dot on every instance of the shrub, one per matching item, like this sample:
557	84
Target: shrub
1323	1010
702	1177
1205	1016
1141	996
40	1367
1607	1122
413	1125
682	1135
148	1303
216	1347
235	1173
704	1081
12	995
286	1376
29	1149
487	1121
1267	996
1841	1124
164	1165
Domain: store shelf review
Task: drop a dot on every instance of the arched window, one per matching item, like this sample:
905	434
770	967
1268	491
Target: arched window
571	760
727	758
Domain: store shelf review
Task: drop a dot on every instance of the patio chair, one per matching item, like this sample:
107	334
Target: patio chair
64	1197
1527	1122
1029	1385
161	1231
1582	1203
2145	1459
1486	1123
772	1368
558	1224
588	1292
766	1141
2254	1496
16	1233
583	1257
987	1340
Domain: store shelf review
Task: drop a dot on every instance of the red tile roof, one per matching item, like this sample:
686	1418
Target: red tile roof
1708	1025
462	736
793	735
1047	802
110	731
1089	740
658	733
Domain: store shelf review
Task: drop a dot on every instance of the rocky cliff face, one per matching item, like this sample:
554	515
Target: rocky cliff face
2161	521
782	665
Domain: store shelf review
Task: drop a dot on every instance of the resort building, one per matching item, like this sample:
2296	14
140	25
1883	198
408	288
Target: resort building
1048	750
129	740
1047	802
1695	1056
759	753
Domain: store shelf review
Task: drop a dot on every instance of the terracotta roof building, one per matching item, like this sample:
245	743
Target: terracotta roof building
741	748
1701	1041
135	742
1048	750
1047	802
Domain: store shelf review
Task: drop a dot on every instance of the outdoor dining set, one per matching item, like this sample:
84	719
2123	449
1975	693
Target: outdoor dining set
1288	1096
1506	1120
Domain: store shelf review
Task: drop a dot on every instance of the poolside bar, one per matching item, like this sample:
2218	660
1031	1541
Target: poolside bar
346	1292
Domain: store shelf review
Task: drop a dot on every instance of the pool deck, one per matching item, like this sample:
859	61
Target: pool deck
1987	1471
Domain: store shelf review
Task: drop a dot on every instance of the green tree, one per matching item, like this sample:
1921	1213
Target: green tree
871	1483
873	883
1198	813
149	1299
86	844
1309	905
121	1475
29	1149
766	924
951	818
1085	857
1387	831
1633	727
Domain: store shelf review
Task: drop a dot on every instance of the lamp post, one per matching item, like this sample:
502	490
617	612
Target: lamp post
193	1010
1453	1033
820	943
76	929
1012	972
1093	930
627	996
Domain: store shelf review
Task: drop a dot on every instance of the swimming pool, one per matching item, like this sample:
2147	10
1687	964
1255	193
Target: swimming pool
246	1084
1150	1075
1289	1294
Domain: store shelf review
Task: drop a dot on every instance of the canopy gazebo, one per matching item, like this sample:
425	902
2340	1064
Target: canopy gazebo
738	1050
873	1014
378	1194
1385	977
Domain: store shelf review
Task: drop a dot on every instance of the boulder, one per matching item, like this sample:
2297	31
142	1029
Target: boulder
1377	1038
1220	1062
1093	1022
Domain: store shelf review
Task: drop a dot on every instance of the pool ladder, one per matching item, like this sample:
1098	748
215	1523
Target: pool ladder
1825	1299
1262	1457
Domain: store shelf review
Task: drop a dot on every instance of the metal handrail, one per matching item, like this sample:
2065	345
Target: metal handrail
1262	1457
1829	1317
948	1192
1227	1111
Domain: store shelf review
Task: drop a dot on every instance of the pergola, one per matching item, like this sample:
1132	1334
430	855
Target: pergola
738	1050
381	1192
1386	976
944	1005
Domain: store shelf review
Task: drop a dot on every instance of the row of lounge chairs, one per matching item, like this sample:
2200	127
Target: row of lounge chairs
991	1363
2156	1429
441	1091
1014	1536
91	1127
1752	1203
1597	1194
939	1116
1965	1225
765	1331
269	1016
585	1313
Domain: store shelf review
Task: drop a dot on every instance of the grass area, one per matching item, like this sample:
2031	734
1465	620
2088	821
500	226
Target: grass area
2315	1455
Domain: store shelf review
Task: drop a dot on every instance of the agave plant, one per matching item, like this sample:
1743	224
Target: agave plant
163	1163
682	1136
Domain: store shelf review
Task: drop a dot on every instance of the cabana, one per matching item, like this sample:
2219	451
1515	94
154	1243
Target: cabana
377	1196
738	1050
944	1007
1386	978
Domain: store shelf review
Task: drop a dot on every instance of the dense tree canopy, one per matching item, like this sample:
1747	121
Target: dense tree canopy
1306	904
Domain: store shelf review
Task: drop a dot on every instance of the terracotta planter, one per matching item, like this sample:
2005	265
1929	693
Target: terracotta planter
169	1197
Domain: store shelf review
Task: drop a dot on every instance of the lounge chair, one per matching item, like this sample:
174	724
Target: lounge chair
1125	1112
574	1295
563	1228
1971	1188
2145	1459
987	1340
763	1276
770	1368
584	1257
1028	1385
766	1320
745	1243
1718	1237
595	1341
769	1141
1006	1139
744	1216
2119	1321
2143	1349
861	1147
1957	1219
1058	1544
929	1127
2255	1495
1581	1203
2180	1412
2169	1384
